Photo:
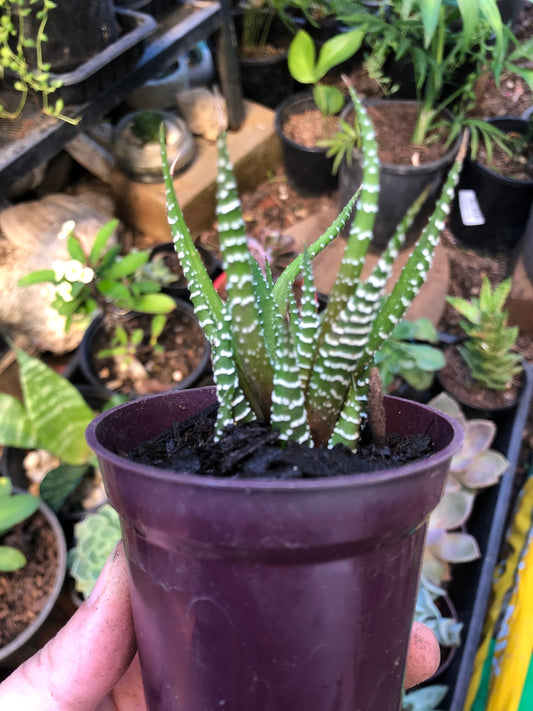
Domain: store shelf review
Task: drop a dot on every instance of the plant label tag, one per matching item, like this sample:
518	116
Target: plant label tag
471	213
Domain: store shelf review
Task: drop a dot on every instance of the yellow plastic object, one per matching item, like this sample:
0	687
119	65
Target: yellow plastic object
504	656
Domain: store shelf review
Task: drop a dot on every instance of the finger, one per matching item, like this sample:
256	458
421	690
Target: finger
77	668
423	655
128	694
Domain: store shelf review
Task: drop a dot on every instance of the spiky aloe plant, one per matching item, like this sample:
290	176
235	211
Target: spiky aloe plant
304	373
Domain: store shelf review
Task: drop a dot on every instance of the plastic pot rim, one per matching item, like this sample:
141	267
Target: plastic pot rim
498	177
400	169
258	485
303	97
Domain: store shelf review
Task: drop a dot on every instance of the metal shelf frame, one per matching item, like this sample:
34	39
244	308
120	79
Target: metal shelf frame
177	33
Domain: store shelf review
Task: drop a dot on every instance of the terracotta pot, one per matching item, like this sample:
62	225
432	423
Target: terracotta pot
30	640
258	594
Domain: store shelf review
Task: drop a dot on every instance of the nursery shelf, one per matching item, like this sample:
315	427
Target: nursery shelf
34	138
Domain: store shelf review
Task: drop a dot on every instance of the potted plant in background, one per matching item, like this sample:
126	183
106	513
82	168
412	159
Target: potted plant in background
23	38
447	49
260	560
304	119
44	444
482	371
135	144
410	358
263	40
138	339
495	191
33	566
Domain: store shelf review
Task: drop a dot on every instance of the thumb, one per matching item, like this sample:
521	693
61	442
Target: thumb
423	655
84	661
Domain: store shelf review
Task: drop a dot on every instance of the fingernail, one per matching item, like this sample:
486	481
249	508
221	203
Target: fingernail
100	584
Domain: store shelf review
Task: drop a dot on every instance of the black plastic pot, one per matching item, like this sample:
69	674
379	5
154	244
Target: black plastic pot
102	69
266	79
97	326
400	185
308	170
179	289
77	30
491	211
471	584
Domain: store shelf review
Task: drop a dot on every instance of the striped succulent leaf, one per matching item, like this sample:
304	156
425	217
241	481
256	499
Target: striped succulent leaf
308	322
233	405
243	302
207	303
346	322
405	289
288	413
306	373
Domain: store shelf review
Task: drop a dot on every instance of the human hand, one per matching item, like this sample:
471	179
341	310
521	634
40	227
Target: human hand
91	664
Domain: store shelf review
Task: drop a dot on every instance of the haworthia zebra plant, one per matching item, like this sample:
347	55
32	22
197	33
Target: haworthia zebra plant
305	373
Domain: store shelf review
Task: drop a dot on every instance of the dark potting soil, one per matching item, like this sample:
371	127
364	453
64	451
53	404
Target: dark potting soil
252	450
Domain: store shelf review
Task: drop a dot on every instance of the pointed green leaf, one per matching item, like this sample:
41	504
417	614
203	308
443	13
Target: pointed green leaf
337	50
16	427
36	277
75	249
58	412
155	304
101	240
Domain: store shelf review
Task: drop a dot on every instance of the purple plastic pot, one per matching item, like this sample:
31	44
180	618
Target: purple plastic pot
270	595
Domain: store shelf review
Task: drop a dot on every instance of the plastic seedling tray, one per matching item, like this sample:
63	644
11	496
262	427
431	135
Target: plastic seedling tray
106	67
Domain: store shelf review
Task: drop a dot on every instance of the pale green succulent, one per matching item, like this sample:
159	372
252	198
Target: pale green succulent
447	629
487	350
305	373
475	466
96	536
427	698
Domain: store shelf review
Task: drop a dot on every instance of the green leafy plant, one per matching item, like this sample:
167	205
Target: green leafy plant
95	537
474	467
145	126
436	39
124	344
307	375
308	68
342	144
13	56
53	417
14	508
103	280
487	350
407	353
